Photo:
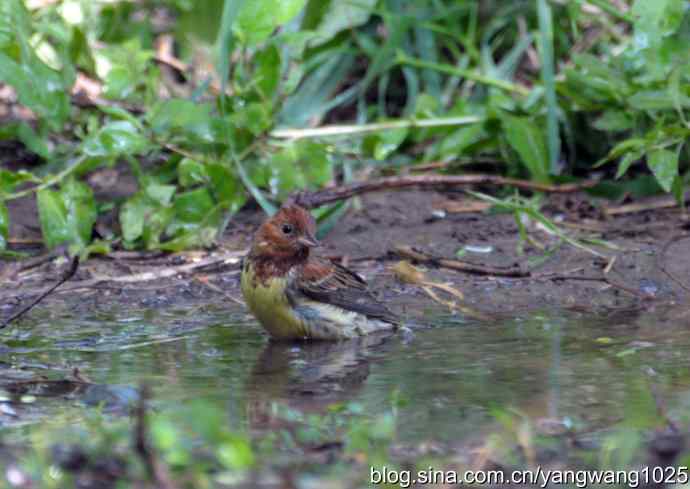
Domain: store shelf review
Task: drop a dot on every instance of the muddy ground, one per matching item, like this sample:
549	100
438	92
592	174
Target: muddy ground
644	246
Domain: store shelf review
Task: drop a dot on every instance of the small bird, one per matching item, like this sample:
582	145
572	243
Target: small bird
296	295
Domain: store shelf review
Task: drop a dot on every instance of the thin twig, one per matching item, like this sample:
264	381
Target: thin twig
661	260
33	262
230	258
605	280
458	265
334	194
461	266
665	202
157	471
67	275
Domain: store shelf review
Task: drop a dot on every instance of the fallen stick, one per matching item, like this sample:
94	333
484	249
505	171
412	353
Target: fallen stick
665	202
66	276
460	266
661	260
231	258
333	194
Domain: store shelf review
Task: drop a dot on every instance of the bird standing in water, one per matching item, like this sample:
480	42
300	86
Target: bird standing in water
296	295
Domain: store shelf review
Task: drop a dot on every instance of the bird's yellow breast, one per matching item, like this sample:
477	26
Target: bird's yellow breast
269	303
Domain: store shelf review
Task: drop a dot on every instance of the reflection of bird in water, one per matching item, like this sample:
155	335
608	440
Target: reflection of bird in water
309	377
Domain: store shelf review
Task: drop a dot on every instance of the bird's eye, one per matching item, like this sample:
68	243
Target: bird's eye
287	229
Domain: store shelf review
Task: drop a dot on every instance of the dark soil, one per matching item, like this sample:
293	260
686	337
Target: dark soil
376	223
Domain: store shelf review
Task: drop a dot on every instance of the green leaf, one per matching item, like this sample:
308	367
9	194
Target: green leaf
10	179
67	215
628	145
613	121
527	140
330	17
267	71
193	206
227	188
459	140
657	100
160	194
626	162
39	87
678	190
664	166
302	164
388	141
146	215
4	226
132	217
182	118
190	172
258	19
255	117
117	138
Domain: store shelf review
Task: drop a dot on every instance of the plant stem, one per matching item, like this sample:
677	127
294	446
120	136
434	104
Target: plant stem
611	10
468	74
347	130
47	183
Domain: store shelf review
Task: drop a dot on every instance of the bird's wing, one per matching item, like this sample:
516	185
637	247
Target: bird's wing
330	283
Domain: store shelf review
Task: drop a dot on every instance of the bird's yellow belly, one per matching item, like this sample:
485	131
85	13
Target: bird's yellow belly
269	303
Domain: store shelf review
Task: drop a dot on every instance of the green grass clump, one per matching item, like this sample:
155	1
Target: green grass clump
543	90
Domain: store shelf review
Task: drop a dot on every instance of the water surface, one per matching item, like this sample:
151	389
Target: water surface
447	380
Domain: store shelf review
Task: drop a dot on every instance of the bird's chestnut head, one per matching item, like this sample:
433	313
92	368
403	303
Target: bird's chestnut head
290	232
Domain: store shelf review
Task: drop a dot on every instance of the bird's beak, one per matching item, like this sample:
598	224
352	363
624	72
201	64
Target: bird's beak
309	241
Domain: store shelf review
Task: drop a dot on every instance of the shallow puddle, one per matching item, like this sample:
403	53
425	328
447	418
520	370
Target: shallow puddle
447	381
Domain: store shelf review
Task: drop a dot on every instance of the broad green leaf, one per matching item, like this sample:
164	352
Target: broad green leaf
194	205
120	83
258	18
387	142
628	145
527	139
329	17
4	225
191	172
457	141
117	138
625	163
26	134
160	194
38	87
658	43
226	187
267	71
255	117
182	118
146	215
614	120
67	215
157	220
301	165
132	216
664	166
658	100
10	179
656	20
199	237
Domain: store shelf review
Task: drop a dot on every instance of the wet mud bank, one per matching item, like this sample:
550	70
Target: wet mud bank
633	260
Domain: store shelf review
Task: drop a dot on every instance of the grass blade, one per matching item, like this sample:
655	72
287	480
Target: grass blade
547	75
